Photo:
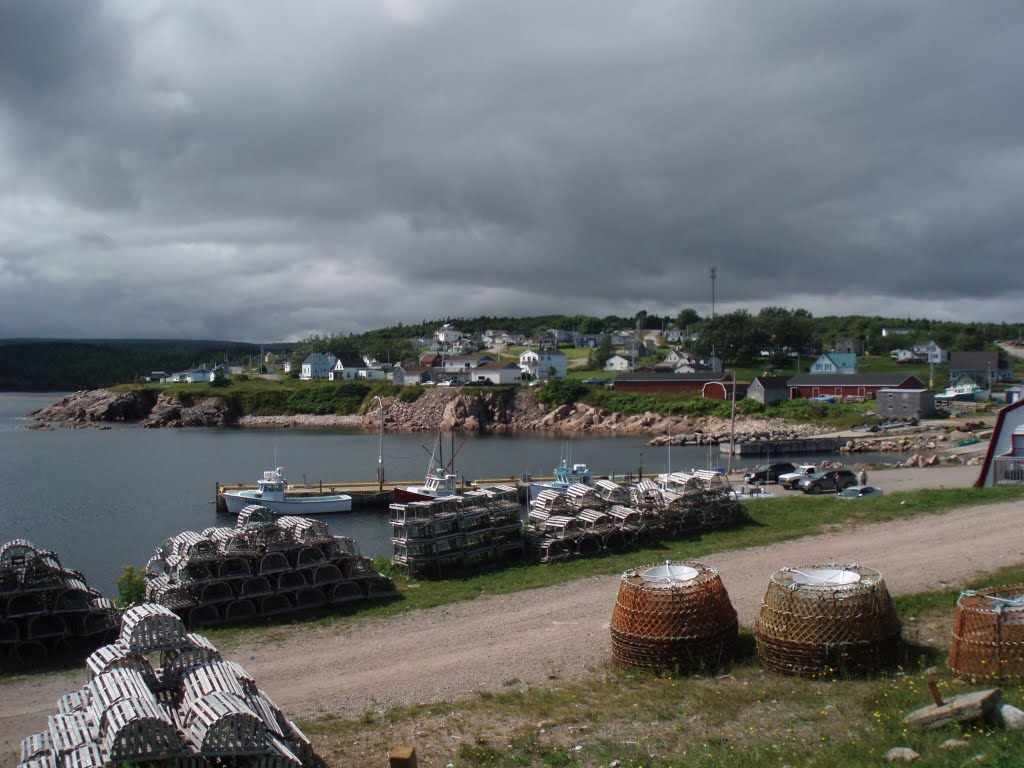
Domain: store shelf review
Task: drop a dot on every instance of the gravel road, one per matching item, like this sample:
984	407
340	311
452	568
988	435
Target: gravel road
453	651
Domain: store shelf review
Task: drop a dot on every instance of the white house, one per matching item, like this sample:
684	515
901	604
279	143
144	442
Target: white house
447	334
202	374
931	352
544	363
497	373
896	331
620	362
902	355
317	365
835	362
348	367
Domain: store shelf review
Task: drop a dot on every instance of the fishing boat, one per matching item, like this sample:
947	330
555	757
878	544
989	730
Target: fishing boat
566	474
965	390
440	482
272	492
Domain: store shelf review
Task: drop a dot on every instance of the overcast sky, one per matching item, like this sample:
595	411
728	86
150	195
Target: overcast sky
261	170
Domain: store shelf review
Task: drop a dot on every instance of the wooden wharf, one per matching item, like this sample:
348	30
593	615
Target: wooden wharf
372	495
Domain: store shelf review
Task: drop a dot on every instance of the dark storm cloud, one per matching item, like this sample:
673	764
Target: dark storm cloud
173	166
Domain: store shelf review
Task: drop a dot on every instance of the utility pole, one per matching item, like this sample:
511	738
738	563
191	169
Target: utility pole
713	272
732	424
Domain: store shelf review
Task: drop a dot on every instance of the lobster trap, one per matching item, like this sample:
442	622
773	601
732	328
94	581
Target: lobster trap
673	616
988	634
823	620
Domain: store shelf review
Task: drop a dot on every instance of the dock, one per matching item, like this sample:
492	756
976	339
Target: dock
372	495
783	447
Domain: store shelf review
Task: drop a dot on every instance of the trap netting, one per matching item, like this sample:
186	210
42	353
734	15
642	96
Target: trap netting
988	634
826	620
673	616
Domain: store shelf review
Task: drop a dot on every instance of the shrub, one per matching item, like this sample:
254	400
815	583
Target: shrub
330	399
410	394
131	587
562	391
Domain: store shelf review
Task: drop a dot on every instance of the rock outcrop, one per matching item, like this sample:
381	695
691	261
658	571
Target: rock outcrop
88	407
169	411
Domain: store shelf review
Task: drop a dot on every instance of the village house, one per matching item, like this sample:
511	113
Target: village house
622	361
317	365
544	363
832	363
402	376
589	340
347	367
458	364
498	373
983	367
930	352
849	346
447	334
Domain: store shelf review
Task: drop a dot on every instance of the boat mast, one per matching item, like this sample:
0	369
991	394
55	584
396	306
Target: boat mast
380	448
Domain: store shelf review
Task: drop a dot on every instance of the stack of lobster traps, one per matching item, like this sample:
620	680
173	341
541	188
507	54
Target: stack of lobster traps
264	566
608	517
162	696
988	635
454	534
821	620
44	605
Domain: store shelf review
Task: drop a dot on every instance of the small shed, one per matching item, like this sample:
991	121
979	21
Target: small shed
768	389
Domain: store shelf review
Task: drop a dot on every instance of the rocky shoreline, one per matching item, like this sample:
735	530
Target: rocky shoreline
496	411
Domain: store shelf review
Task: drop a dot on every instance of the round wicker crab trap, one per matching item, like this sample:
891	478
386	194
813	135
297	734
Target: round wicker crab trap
988	634
673	616
827	619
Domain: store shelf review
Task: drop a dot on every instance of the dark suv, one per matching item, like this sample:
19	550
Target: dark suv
833	480
769	473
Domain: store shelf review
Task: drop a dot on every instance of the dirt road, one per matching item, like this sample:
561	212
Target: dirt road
450	652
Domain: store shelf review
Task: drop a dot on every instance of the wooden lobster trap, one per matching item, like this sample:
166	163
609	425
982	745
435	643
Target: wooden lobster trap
827	620
988	634
673	616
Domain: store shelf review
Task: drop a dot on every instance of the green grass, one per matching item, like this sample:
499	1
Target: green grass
771	521
744	716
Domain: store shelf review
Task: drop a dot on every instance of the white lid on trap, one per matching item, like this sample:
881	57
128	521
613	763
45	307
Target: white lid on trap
669	574
825	577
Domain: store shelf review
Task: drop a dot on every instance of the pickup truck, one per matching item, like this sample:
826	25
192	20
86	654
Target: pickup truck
790	480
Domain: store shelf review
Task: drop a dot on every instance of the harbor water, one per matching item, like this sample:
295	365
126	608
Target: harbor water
105	498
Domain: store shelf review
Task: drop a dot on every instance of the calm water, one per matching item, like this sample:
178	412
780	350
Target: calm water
105	498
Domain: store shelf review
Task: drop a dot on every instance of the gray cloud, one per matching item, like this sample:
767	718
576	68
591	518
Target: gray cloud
244	170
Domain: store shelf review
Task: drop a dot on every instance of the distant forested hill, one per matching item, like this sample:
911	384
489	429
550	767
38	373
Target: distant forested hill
52	366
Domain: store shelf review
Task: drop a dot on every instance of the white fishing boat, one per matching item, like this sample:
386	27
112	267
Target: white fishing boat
965	390
272	492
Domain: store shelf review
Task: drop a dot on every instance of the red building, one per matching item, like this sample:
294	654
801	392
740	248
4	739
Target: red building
668	382
840	385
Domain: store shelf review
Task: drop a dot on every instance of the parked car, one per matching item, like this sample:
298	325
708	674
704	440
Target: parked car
834	480
790	480
769	473
859	492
